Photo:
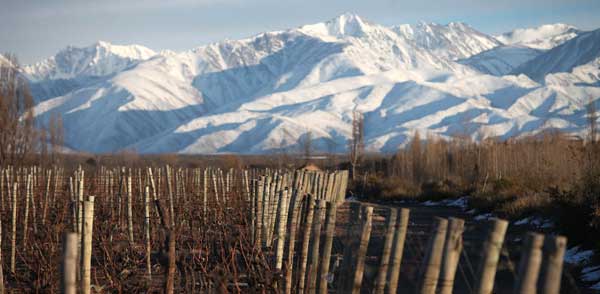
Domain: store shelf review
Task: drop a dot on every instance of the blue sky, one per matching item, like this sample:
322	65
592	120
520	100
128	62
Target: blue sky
35	29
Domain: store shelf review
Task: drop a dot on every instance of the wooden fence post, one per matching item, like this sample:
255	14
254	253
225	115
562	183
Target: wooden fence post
310	205
433	260
147	231
381	279
88	222
314	252
293	225
1	259
69	264
344	278
398	250
170	278
281	227
554	253
361	253
330	221
529	266
13	239
452	250
129	209
491	254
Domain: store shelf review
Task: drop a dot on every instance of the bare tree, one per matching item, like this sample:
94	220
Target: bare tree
592	121
56	134
306	145
357	145
17	133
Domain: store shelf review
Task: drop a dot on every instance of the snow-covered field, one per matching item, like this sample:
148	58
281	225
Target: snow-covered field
266	92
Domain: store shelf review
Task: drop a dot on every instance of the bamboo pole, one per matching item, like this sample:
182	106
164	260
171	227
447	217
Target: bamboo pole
86	248
387	248
452	250
554	253
491	254
432	262
69	264
327	244
398	250
529	266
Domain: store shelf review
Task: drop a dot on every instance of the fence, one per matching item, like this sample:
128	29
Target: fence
247	231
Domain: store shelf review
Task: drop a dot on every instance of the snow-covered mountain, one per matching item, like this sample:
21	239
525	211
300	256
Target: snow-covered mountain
501	60
583	49
267	92
544	37
453	41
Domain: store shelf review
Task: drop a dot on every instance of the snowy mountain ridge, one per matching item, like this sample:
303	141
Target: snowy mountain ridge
267	92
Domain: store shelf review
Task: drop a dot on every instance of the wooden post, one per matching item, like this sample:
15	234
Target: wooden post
47	196
129	209
86	248
350	244
147	229
281	228
433	259
170	278
314	252
1	259
305	242
258	214
327	244
69	264
26	216
13	239
380	282
529	266
365	236
80	197
292	227
398	250
170	191
491	254
554	253
452	250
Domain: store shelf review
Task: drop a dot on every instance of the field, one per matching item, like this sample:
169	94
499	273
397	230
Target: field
212	230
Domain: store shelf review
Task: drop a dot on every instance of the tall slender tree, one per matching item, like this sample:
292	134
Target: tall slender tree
357	144
17	133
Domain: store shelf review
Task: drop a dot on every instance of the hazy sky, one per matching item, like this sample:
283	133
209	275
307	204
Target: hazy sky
35	29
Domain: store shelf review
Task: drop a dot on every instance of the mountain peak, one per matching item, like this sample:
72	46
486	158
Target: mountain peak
543	37
343	25
98	59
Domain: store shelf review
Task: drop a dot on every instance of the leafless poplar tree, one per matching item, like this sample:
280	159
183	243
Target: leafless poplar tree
17	133
357	144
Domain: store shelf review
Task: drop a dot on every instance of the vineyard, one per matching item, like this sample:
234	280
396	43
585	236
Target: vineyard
211	230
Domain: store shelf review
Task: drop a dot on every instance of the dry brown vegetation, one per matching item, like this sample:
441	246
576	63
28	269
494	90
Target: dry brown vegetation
549	174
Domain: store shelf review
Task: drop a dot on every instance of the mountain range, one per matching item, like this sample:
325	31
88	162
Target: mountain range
266	93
